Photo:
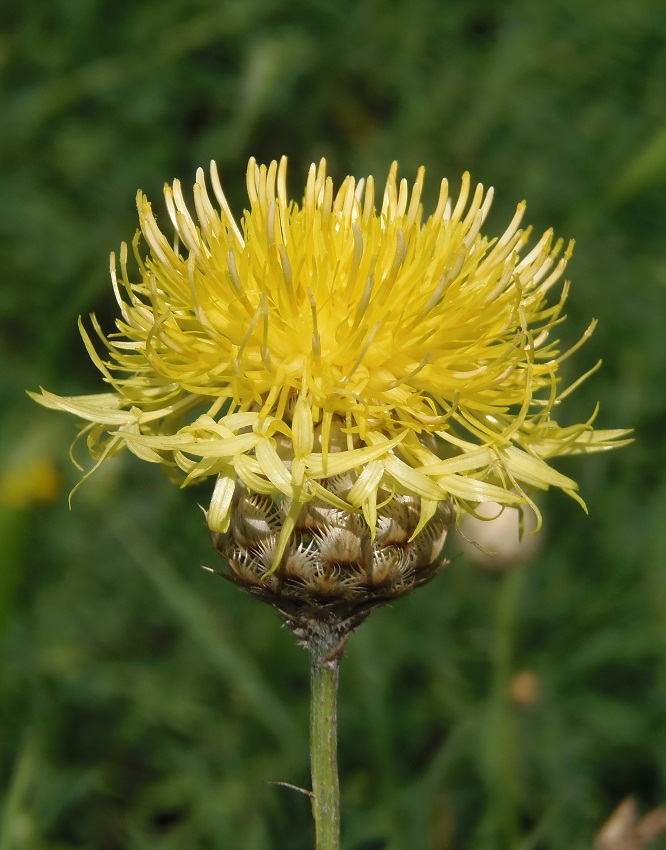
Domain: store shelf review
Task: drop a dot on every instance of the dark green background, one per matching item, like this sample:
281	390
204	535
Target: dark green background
144	704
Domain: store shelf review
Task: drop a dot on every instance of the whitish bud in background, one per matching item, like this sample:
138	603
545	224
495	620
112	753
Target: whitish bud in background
497	539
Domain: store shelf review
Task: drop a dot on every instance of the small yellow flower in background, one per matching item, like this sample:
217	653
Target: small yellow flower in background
347	336
24	484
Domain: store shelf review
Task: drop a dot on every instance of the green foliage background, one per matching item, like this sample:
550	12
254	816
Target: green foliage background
144	704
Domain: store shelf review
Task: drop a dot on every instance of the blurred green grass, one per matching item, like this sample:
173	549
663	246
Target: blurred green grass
145	704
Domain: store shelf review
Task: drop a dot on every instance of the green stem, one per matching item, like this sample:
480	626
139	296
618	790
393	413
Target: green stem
324	664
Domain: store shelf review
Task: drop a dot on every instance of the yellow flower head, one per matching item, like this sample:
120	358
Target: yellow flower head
345	335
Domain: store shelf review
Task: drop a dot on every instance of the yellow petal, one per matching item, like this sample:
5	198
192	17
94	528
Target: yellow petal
302	427
341	462
218	514
471	490
412	480
534	471
248	471
428	508
366	483
102	408
273	467
475	459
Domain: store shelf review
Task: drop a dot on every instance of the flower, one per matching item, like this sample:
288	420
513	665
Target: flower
334	339
30	480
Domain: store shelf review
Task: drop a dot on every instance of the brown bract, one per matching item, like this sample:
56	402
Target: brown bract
332	573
